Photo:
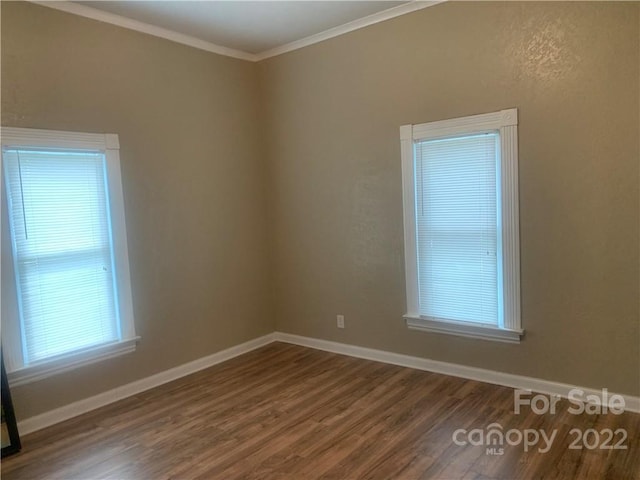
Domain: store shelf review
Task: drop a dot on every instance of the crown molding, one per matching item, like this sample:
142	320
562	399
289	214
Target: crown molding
120	21
124	22
349	27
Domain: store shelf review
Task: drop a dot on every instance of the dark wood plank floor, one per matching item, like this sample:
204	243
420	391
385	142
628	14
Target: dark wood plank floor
288	412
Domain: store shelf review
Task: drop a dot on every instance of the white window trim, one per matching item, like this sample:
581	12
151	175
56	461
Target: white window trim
506	122
12	346
64	363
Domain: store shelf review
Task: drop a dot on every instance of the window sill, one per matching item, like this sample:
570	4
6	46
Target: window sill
70	361
462	329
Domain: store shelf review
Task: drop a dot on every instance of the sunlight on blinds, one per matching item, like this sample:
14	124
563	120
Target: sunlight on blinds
456	217
59	215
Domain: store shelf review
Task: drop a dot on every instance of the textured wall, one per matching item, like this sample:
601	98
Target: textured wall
572	70
203	247
192	170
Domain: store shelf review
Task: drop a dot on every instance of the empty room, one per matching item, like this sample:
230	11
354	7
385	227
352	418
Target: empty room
320	240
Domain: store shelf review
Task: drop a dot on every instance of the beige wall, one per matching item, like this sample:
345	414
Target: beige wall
334	110
212	266
192	170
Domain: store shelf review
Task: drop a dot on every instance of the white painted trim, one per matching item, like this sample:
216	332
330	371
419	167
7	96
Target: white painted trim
119	239
66	412
509	322
106	17
632	403
34	137
465	125
409	219
71	361
83	406
348	27
464	329
509	209
13	137
120	21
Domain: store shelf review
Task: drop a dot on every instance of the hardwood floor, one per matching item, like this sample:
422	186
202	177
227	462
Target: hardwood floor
288	412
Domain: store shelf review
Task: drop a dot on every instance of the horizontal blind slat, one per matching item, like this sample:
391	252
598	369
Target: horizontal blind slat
59	215
456	220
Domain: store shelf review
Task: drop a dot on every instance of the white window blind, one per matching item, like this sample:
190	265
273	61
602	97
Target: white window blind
456	228
63	253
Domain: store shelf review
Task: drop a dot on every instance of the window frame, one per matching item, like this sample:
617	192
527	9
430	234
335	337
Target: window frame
108	144
505	122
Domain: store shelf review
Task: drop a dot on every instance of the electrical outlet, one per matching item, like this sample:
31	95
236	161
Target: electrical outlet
340	321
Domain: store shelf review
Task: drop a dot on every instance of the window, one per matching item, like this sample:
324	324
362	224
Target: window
460	187
71	267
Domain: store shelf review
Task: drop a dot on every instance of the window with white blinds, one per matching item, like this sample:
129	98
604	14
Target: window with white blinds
456	218
461	226
65	265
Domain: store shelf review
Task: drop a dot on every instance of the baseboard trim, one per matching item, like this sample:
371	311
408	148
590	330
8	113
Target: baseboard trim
38	422
74	409
632	403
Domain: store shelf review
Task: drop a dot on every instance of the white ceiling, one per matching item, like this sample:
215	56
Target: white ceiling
252	27
247	29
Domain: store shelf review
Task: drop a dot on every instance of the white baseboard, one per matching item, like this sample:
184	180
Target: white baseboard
74	409
632	404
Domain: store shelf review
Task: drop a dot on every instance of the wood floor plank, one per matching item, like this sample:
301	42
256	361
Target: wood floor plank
288	412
